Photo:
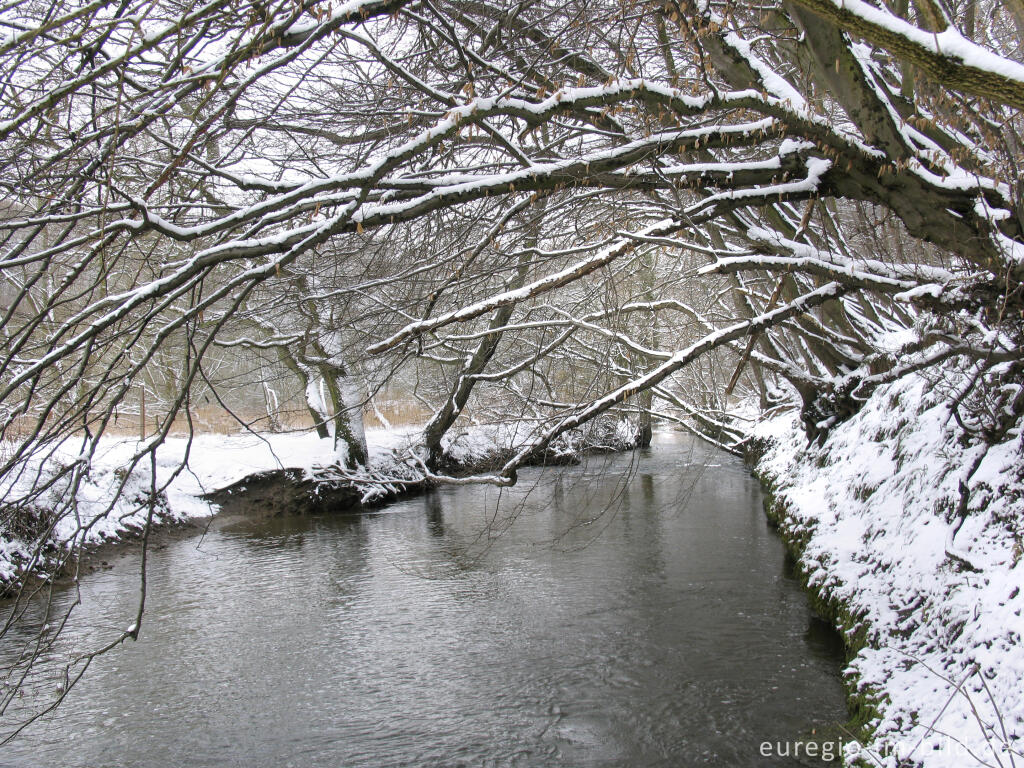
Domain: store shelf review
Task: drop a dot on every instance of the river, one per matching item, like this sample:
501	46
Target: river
633	611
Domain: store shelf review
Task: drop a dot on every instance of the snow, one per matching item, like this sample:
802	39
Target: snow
352	398
775	83
948	43
468	446
214	461
874	504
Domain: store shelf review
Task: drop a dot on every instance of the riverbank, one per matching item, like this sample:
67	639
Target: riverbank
103	516
933	613
266	474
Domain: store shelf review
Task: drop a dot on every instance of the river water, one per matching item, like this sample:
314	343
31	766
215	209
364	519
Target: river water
634	611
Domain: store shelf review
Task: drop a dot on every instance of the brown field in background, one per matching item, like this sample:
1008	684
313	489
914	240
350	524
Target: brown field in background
217	420
214	419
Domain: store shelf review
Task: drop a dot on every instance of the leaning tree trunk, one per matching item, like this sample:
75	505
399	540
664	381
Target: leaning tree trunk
477	361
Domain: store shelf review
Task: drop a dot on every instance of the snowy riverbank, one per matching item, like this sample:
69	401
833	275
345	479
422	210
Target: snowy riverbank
214	461
936	620
218	461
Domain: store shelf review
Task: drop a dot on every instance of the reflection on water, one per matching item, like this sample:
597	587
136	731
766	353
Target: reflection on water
636	613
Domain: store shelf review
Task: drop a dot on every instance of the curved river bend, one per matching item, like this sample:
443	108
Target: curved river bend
637	613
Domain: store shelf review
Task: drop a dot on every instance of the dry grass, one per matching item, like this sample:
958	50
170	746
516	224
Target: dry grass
213	419
399	413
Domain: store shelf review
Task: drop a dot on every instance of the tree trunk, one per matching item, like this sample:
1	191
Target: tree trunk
348	415
477	361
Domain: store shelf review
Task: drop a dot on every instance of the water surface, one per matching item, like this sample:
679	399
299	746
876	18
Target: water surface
634	611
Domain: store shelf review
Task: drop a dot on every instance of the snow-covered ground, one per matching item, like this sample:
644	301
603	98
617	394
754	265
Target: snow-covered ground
875	506
215	461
